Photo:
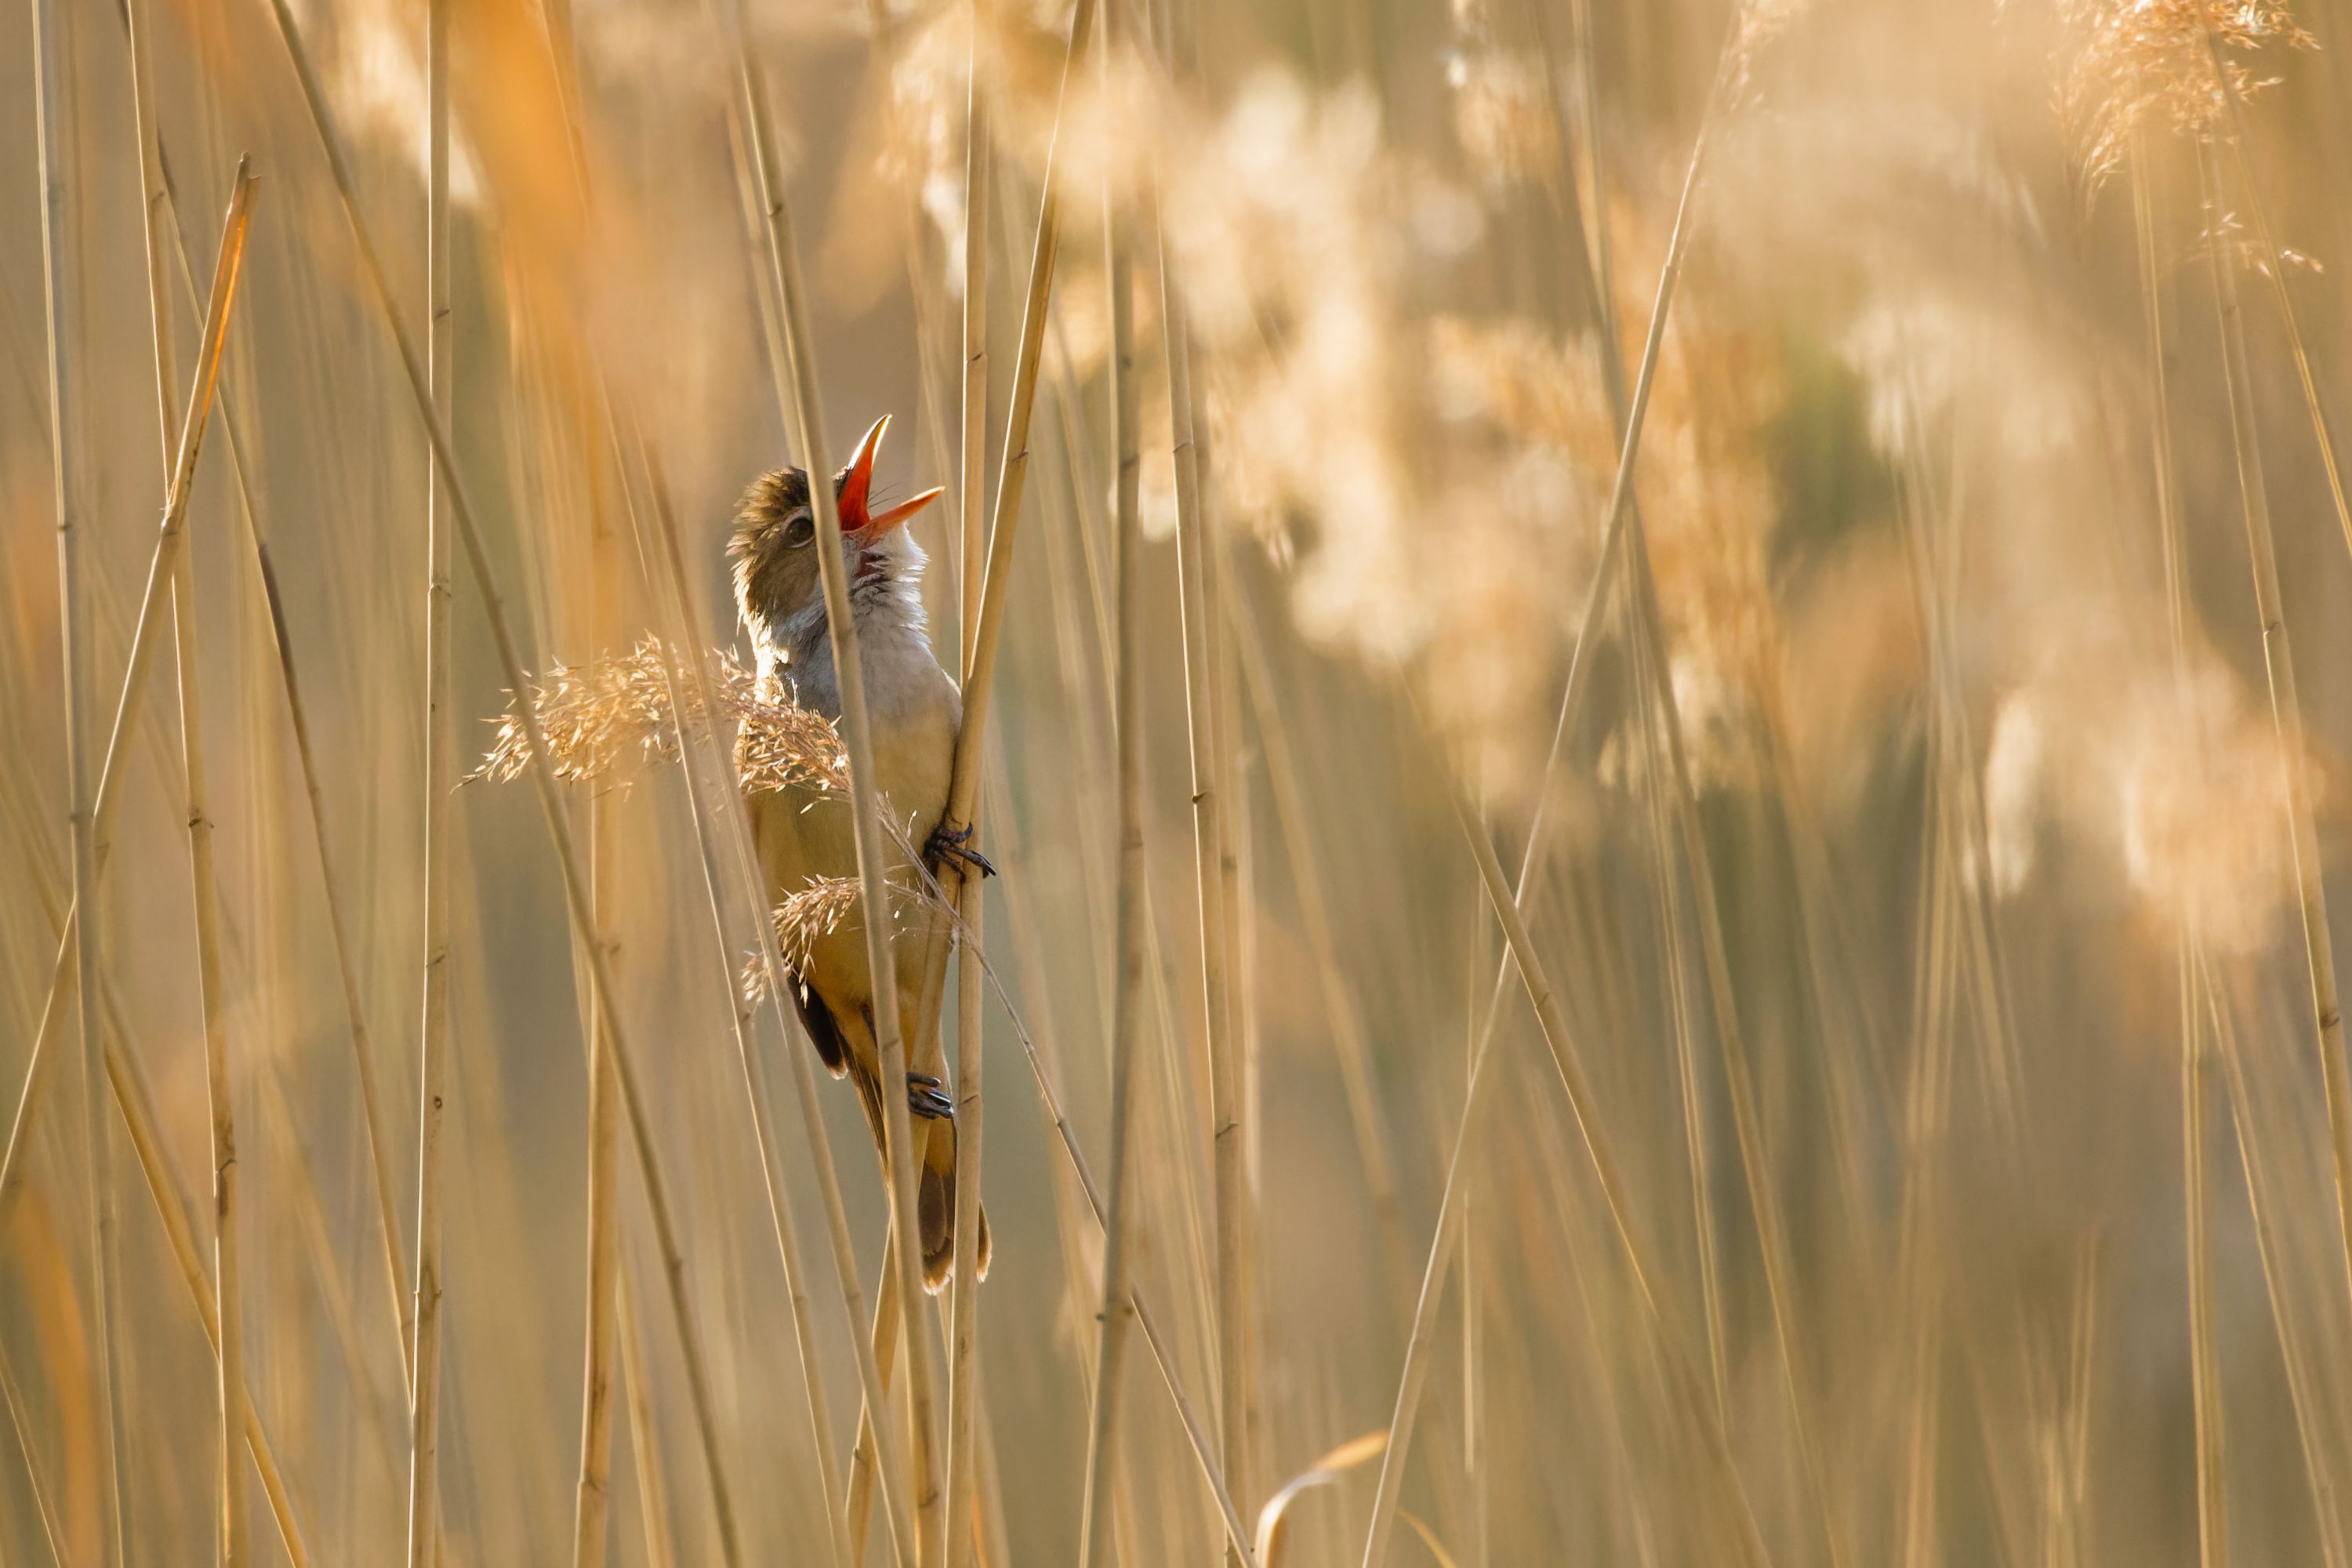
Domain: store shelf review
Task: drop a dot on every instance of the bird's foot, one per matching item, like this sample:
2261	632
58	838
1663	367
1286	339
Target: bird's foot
926	1100
956	845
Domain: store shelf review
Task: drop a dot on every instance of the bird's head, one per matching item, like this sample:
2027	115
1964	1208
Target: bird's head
779	590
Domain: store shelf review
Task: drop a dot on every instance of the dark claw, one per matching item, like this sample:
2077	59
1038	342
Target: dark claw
946	845
925	1098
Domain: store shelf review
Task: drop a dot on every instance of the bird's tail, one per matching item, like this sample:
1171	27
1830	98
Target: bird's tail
934	1206
935	1186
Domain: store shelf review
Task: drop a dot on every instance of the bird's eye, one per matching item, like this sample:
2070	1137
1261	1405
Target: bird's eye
799	528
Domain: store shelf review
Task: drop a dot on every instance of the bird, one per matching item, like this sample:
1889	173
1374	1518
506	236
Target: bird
802	835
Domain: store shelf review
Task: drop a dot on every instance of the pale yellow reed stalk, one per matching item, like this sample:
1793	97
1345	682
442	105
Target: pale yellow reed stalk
963	1308
592	1494
235	1543
2195	1062
911	1494
468	534
440	778
52	112
2286	712
1127	982
1202	704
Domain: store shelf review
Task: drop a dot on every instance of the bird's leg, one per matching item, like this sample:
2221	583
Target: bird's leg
926	1099
955	844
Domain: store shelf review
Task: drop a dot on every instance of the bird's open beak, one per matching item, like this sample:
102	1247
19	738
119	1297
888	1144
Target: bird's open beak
857	484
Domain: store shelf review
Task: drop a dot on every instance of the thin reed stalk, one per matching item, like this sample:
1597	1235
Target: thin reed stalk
440	779
1205	733
2274	268
1127	982
53	1527
235	1543
1618	512
1349	1047
2195	1064
52	113
592	1495
963	1311
711	788
2286	710
468	534
708	784
2304	1391
645	1436
857	734
164	214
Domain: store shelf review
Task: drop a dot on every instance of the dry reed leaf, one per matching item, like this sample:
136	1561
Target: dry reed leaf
615	713
1271	1523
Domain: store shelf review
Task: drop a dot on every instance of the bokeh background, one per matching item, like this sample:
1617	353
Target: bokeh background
1992	1220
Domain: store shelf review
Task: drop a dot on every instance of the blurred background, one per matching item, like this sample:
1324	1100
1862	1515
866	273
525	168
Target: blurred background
1932	900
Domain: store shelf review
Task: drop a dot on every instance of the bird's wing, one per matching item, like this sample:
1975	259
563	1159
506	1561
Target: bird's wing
824	1032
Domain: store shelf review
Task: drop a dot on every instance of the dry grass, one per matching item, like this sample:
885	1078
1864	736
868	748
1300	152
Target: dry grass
1847	573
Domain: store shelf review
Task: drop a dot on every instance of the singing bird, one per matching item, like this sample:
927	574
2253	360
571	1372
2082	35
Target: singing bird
803	835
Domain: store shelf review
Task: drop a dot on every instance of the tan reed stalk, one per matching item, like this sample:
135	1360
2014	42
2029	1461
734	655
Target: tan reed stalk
857	725
592	1495
1755	1159
1619	514
722	790
2274	265
53	1527
1659	842
1689	1391
136	1101
1349	1047
882	1341
53	114
1127	984
709	788
2286	708
2195	1064
709	782
1201	668
468	534
164	205
235	1543
972	483
440	779
644	1436
1196	1435
980	662
2304	1391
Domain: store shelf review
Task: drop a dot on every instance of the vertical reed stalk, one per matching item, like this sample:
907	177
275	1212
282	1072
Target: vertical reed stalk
234	1547
1620	509
2286	708
53	114
236	1544
710	789
707	785
645	1436
591	1499
1200	694
2274	268
440	779
1127	984
395	1273
541	769
857	735
2211	1471
963	1321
